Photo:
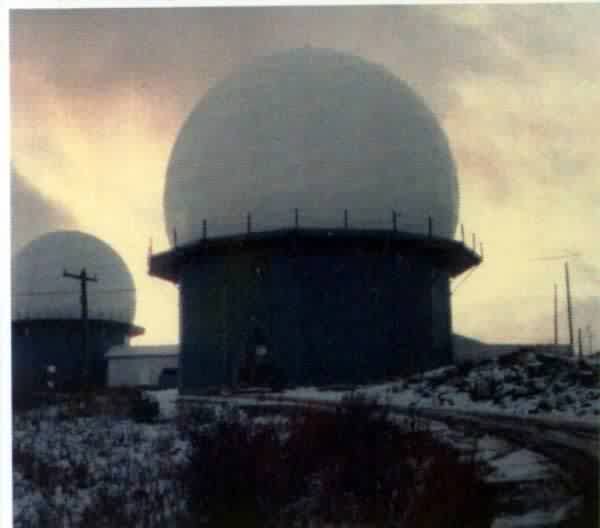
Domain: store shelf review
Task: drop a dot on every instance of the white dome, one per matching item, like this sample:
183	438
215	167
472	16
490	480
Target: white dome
41	292
312	129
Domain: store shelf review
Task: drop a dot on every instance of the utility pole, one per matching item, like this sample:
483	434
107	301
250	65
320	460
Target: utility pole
569	309
83	279
580	341
555	314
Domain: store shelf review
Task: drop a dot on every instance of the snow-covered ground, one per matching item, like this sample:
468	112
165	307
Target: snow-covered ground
538	386
64	467
167	400
85	465
68	467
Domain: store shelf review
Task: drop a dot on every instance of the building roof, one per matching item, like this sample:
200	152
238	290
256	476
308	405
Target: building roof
142	351
449	255
37	321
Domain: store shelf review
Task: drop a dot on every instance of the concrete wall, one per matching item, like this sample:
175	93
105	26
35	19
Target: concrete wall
324	319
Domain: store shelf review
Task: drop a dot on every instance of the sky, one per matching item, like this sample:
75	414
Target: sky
98	96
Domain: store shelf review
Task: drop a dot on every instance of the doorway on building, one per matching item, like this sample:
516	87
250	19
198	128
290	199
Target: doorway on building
257	368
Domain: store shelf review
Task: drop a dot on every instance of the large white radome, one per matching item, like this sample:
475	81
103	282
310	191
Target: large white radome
316	130
41	292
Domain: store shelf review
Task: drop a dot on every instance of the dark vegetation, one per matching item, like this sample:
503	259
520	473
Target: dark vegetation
23	401
127	494
353	467
143	408
119	502
123	402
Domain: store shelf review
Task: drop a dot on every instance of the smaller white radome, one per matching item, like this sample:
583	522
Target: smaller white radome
39	290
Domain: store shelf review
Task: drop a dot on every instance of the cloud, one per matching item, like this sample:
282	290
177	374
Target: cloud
530	319
32	214
588	271
99	95
176	54
550	32
168	58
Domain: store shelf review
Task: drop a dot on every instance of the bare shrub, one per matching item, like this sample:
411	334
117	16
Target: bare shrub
349	466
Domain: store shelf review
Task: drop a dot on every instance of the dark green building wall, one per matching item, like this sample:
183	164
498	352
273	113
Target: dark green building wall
38	343
325	319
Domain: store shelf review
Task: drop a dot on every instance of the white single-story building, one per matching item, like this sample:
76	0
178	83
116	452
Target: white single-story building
143	366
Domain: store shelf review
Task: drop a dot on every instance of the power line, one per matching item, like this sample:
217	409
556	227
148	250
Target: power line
72	292
557	257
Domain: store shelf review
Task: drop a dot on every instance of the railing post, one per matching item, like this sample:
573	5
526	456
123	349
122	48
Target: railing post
296	219
345	218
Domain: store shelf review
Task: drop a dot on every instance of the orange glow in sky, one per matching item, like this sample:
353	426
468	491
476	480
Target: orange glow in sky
98	98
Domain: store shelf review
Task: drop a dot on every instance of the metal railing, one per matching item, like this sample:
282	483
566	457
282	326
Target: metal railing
298	220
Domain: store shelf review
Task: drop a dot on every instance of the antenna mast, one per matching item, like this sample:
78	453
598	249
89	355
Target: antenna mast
555	314
569	309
